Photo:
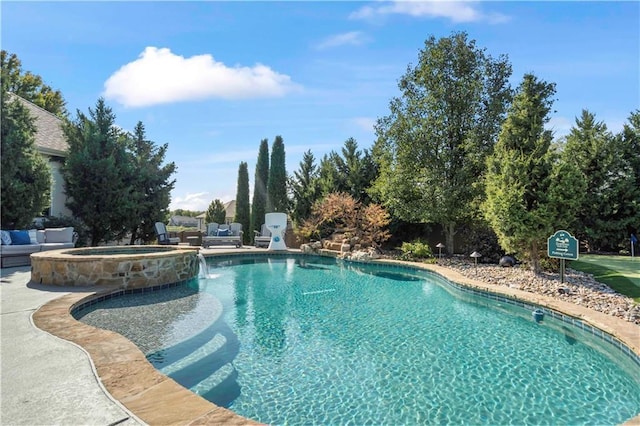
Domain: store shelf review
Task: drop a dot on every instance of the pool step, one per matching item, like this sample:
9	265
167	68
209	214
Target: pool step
206	360
203	351
221	387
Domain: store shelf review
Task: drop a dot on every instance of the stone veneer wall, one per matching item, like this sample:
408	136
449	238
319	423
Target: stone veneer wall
128	270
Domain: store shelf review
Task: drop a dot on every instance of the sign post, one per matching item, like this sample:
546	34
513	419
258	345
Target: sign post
562	245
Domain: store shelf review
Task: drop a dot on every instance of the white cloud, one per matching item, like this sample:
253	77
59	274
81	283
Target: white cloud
198	201
456	11
353	38
365	123
560	126
159	76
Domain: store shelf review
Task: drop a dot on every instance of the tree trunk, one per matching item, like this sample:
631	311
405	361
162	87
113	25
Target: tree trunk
535	257
134	236
449	232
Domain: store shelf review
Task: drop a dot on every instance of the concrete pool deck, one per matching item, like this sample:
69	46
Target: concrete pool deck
104	379
73	374
46	380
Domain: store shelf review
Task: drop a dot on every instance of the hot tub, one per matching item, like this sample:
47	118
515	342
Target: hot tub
118	266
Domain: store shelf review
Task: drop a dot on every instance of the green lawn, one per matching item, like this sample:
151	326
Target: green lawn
621	273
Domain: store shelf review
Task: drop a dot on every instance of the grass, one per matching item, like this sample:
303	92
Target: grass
621	273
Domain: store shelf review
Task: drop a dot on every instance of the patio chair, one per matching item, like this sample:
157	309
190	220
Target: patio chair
212	229
163	235
236	230
262	238
223	235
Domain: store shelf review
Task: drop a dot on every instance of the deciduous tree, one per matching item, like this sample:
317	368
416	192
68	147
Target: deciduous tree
30	86
340	212
431	147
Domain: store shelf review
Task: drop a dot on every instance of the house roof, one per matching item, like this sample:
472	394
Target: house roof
230	209
49	138
183	220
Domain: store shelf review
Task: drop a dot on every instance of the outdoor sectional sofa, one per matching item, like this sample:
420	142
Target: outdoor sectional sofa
223	235
17	246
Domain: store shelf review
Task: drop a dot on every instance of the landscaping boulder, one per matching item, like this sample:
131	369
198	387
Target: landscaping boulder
507	261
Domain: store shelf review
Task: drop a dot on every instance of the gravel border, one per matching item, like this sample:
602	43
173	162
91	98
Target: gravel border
579	287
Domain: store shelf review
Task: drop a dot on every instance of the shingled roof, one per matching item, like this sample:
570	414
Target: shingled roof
50	139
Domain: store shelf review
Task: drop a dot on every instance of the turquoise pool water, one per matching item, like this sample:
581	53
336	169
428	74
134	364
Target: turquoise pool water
314	341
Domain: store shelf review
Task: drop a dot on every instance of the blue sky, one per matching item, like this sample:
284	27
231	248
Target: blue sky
212	79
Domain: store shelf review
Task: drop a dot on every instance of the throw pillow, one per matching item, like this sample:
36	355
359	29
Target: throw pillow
32	236
6	238
20	238
59	235
223	233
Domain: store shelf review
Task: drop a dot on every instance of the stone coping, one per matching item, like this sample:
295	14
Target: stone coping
158	400
91	254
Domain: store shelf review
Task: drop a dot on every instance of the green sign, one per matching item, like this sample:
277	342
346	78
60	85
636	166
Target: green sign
562	245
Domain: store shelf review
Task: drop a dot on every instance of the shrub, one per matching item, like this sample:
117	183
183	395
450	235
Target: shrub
481	238
415	250
341	212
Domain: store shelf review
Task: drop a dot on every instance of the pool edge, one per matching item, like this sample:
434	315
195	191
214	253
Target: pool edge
157	399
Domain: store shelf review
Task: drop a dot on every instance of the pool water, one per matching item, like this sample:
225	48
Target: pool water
318	341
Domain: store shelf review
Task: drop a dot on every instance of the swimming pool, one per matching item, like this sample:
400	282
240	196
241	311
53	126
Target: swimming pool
307	340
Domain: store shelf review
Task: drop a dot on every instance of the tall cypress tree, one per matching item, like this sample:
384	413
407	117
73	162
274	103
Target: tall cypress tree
259	205
277	200
243	215
97	174
26	177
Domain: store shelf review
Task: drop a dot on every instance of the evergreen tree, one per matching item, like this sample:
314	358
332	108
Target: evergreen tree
277	200
525	202
30	86
259	205
243	214
26	177
151	185
304	188
357	169
431	148
622	214
216	212
329	179
97	174
590	147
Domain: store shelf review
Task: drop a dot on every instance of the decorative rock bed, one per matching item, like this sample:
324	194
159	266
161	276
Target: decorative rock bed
120	266
579	288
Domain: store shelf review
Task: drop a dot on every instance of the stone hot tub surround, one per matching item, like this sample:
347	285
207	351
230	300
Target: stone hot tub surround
118	266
